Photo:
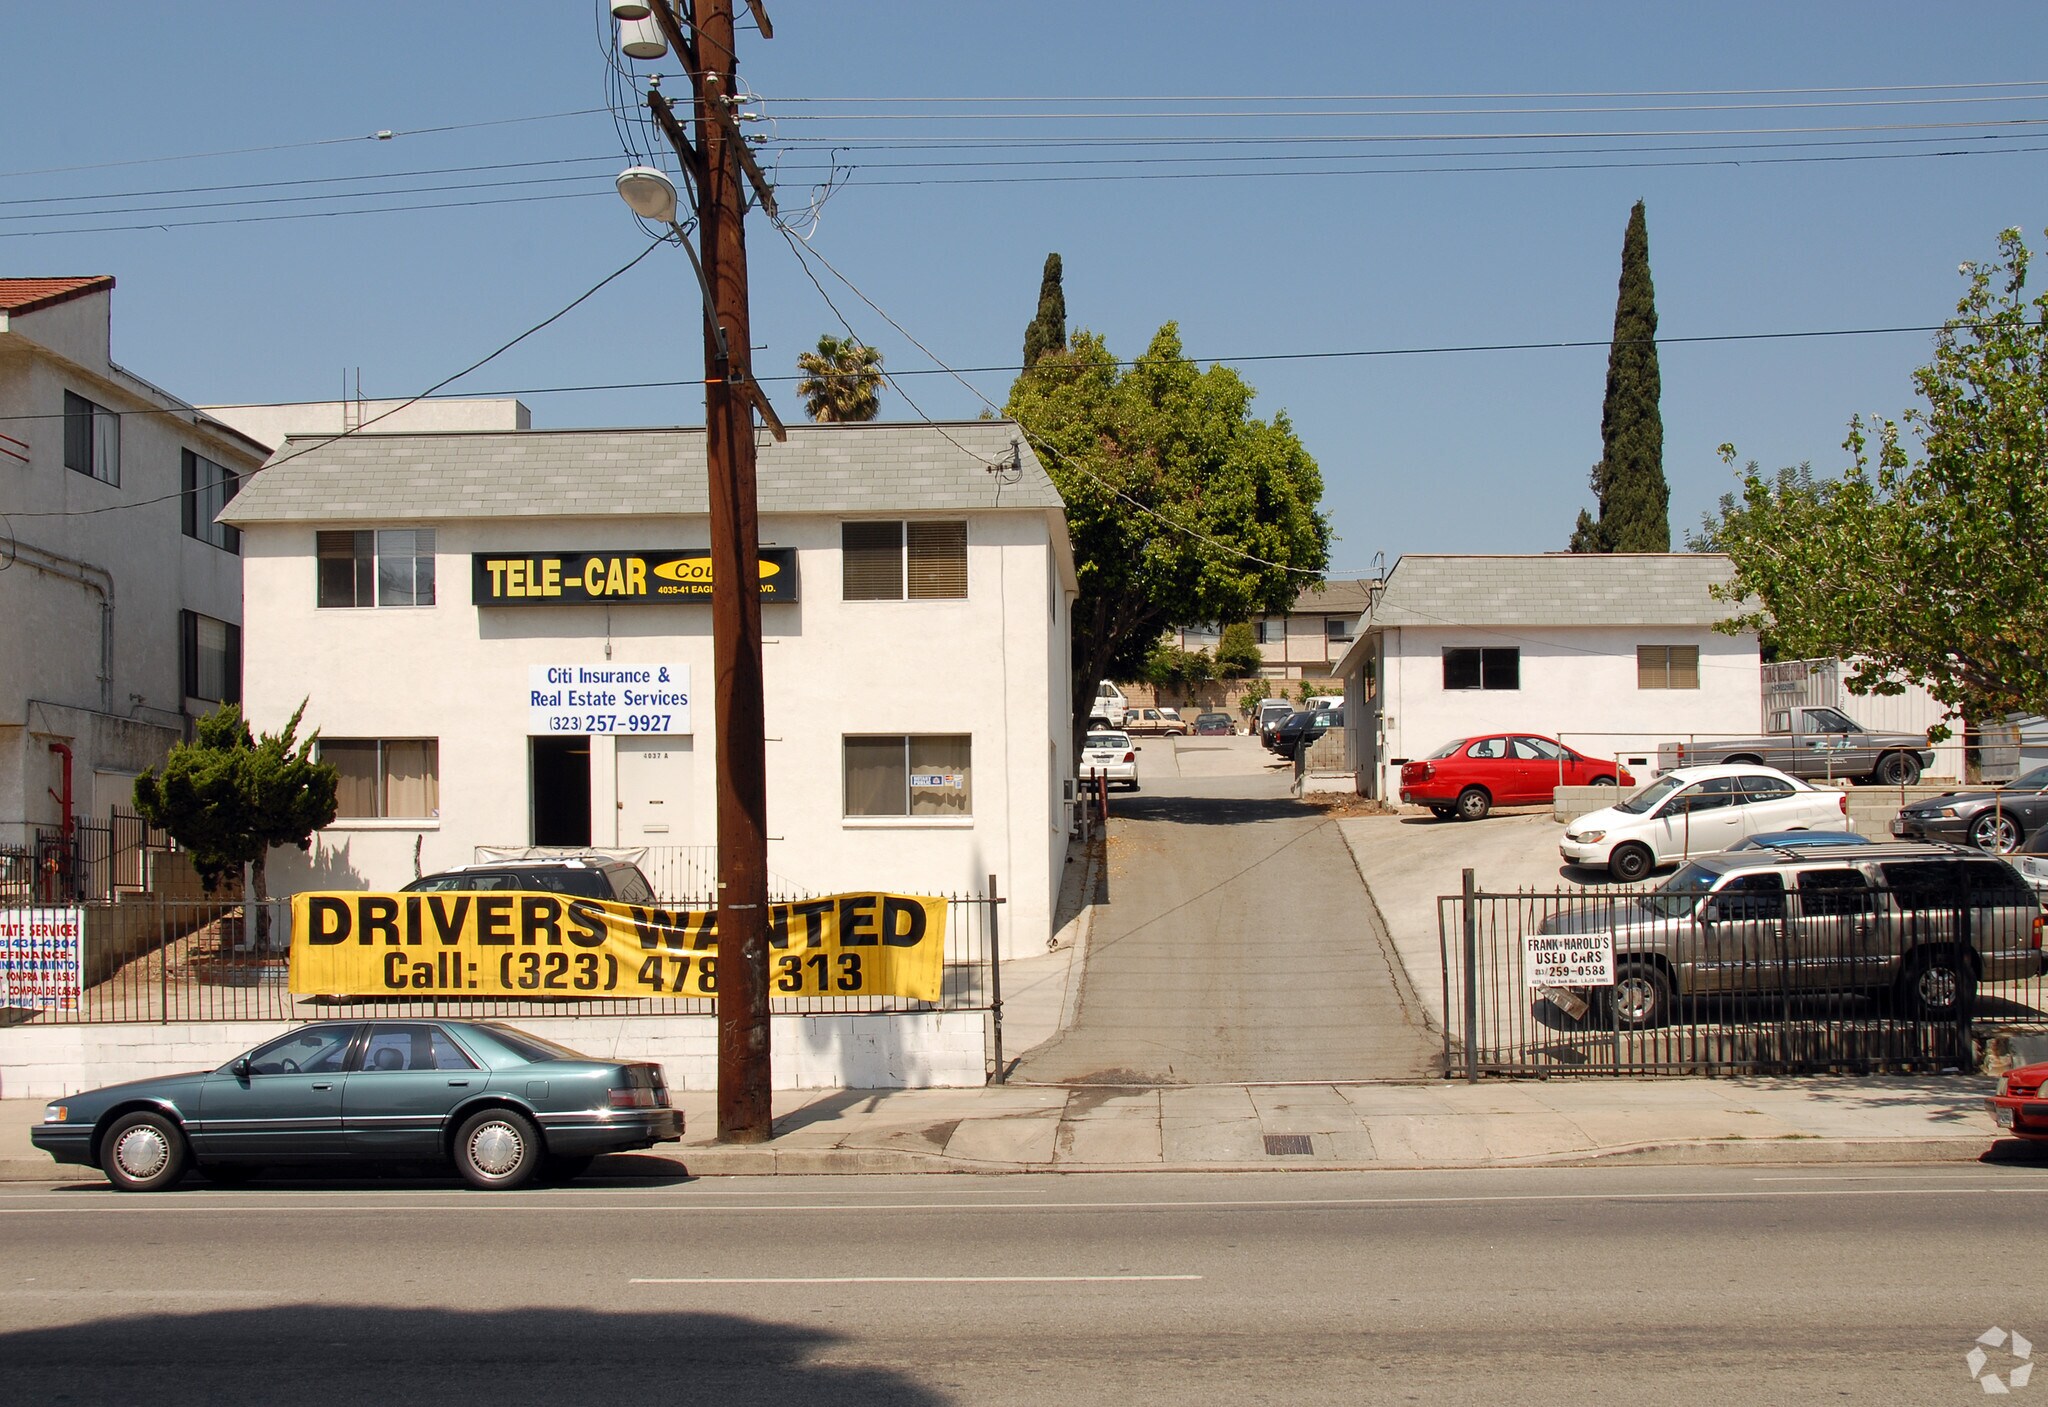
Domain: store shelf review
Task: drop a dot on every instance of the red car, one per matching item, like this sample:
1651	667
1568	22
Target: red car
2020	1106
1471	776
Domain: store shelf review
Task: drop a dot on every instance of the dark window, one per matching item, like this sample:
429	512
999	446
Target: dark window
387	567
92	439
1923	884
207	489
1271	631
1756	788
209	658
928	774
385	776
1470	667
938	561
311	1050
1994	881
872	561
1751	897
1337	629
394	1047
1710	795
1828	893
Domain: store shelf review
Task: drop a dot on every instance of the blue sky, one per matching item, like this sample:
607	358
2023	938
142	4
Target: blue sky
1328	246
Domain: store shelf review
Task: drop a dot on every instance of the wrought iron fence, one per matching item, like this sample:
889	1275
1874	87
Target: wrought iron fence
156	961
43	863
1838	976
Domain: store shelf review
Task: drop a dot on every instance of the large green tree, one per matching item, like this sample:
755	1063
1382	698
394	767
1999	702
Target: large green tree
1183	506
842	380
1919	562
1628	482
228	797
1047	331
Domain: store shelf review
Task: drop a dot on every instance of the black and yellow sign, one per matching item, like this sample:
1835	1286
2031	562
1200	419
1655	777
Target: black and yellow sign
571	578
556	945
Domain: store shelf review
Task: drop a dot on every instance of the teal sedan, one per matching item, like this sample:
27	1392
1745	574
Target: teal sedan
506	1108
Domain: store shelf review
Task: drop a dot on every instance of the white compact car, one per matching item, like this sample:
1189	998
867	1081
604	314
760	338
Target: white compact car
1697	811
1111	756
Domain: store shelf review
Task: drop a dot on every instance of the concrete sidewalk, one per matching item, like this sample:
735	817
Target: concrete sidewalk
1215	1128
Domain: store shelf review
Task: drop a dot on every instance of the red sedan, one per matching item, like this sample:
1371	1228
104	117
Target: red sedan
1471	776
2020	1106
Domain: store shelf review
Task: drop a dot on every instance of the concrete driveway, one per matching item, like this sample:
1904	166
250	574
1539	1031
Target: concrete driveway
1237	943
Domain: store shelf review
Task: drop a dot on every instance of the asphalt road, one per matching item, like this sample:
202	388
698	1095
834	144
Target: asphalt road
1237	943
1637	1286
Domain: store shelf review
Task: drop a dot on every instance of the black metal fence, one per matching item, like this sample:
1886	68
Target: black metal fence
1838	975
157	961
87	863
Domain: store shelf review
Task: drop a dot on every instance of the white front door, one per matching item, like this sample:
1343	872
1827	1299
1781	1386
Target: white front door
655	795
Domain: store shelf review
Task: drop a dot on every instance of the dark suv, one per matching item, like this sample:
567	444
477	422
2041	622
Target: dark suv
590	876
1916	925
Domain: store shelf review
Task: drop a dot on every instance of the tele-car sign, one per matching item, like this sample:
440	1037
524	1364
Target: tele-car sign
554	945
671	575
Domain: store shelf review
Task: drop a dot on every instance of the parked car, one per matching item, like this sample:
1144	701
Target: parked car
2020	1107
1797	840
1468	777
1814	742
1272	713
1303	728
2031	860
504	1107
1111	756
591	876
1214	725
1876	920
1995	819
1155	722
1696	811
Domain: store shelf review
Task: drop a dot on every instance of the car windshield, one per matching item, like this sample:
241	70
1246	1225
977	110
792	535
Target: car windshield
1676	897
1650	796
2036	780
1108	740
1449	749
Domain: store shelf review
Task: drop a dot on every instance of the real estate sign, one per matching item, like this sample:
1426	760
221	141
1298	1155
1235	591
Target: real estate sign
40	958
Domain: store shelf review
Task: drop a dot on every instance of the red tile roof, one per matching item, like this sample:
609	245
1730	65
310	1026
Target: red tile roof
22	295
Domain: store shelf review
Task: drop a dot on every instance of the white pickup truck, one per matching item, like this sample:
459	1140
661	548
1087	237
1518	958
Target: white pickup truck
1812	743
1110	705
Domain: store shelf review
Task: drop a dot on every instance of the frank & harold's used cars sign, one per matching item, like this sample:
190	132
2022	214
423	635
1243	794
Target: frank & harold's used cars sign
558	945
674	575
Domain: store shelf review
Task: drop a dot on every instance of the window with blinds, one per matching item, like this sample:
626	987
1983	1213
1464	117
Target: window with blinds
899	561
1667	666
387	567
385	778
920	774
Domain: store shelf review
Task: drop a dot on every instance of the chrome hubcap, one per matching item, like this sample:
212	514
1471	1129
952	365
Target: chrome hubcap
1634	999
1938	988
141	1153
495	1149
1996	834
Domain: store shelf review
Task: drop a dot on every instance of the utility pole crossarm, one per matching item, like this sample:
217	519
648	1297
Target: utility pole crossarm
665	117
761	18
720	104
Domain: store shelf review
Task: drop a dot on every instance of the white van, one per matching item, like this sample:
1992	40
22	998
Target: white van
1271	712
1317	703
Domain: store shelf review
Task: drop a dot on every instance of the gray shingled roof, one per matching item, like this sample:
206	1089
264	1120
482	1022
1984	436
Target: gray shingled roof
1556	588
1341	596
635	473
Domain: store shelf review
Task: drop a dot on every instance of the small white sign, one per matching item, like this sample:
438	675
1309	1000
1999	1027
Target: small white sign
645	699
39	958
951	781
1567	960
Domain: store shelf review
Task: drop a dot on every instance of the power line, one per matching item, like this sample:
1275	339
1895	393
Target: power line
1446	97
551	318
1085	116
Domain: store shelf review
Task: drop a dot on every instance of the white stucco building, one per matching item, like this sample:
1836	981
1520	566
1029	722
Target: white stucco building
420	592
120	597
1611	654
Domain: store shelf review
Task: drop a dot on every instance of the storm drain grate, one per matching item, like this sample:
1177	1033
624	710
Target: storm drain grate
1283	1145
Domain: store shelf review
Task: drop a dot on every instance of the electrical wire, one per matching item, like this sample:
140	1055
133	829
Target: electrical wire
324	442
1443	97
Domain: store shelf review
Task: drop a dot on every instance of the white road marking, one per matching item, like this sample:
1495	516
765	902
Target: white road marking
911	1280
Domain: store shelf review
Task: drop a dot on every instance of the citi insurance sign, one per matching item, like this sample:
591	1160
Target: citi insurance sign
614	577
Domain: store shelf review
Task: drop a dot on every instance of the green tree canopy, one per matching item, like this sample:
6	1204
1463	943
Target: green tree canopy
1628	482
1918	563
1047	331
1237	653
1182	505
842	381
227	798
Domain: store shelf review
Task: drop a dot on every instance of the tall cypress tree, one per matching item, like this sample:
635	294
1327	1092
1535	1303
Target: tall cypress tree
1635	500
1048	330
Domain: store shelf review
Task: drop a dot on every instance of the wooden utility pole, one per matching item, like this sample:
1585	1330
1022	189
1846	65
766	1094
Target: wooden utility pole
745	1112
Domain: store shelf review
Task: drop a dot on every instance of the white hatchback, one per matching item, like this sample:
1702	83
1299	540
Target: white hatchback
1697	811
1110	756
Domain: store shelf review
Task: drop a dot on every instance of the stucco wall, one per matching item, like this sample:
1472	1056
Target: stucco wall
1578	684
458	673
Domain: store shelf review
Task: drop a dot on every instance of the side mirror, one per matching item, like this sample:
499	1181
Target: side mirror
241	1067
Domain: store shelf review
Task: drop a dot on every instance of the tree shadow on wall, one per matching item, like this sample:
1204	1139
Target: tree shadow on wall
329	1353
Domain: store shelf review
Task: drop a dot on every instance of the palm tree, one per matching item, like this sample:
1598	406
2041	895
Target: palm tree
842	380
